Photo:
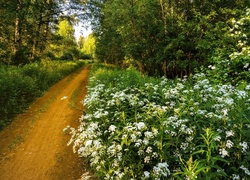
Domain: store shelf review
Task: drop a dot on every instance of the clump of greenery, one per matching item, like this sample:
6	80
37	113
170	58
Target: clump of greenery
232	64
146	128
19	86
196	127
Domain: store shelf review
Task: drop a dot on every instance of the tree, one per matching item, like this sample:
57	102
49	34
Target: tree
28	27
164	37
81	42
89	46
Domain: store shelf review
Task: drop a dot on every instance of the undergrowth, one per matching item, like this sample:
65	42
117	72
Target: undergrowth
19	86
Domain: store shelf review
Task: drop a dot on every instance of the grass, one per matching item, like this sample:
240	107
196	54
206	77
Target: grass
20	86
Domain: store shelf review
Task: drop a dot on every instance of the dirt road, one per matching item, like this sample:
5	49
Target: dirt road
34	146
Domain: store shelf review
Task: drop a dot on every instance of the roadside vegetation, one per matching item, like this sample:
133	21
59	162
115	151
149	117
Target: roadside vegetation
193	127
156	128
20	85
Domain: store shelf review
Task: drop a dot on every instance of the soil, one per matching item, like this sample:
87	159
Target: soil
34	145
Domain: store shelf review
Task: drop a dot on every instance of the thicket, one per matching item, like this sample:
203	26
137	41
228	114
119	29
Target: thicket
139	127
20	85
29	29
195	127
164	37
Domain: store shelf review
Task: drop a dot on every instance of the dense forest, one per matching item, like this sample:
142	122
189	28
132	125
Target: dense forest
166	37
159	37
32	30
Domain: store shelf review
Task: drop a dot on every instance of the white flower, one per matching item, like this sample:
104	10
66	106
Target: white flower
147	159
146	174
217	138
224	112
88	143
112	128
246	65
229	133
229	144
140	152
148	134
149	150
245	170
244	147
236	177
161	169
223	152
140	125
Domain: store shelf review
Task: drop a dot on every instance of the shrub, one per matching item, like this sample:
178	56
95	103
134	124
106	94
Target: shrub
19	86
67	56
145	128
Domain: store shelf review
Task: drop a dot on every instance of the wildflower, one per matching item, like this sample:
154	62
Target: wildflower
88	143
229	133
147	159
146	174
244	147
145	142
236	177
154	155
149	150
161	169
112	128
149	134
138	143
211	67
133	137
140	125
245	170
223	152
184	146
140	152
217	138
224	111
229	144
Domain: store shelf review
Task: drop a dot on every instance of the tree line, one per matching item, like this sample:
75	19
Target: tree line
31	29
163	37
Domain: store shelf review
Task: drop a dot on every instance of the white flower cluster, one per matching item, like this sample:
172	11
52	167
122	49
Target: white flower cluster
132	132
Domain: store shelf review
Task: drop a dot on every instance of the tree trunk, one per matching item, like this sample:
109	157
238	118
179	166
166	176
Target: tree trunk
18	28
37	35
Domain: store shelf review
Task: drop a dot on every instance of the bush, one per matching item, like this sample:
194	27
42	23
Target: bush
49	55
233	66
19	86
85	56
67	56
145	128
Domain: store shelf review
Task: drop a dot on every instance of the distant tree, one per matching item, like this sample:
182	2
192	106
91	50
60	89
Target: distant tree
89	46
27	27
81	42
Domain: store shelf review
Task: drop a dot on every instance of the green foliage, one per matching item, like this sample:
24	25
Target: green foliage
19	86
28	27
89	46
66	56
145	128
65	46
169	38
231	63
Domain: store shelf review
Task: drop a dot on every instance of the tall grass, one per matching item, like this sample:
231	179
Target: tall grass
19	86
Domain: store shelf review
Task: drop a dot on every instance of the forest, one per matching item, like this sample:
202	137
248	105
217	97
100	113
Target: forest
170	38
169	95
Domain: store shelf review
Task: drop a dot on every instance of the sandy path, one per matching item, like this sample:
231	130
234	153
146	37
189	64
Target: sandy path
34	146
